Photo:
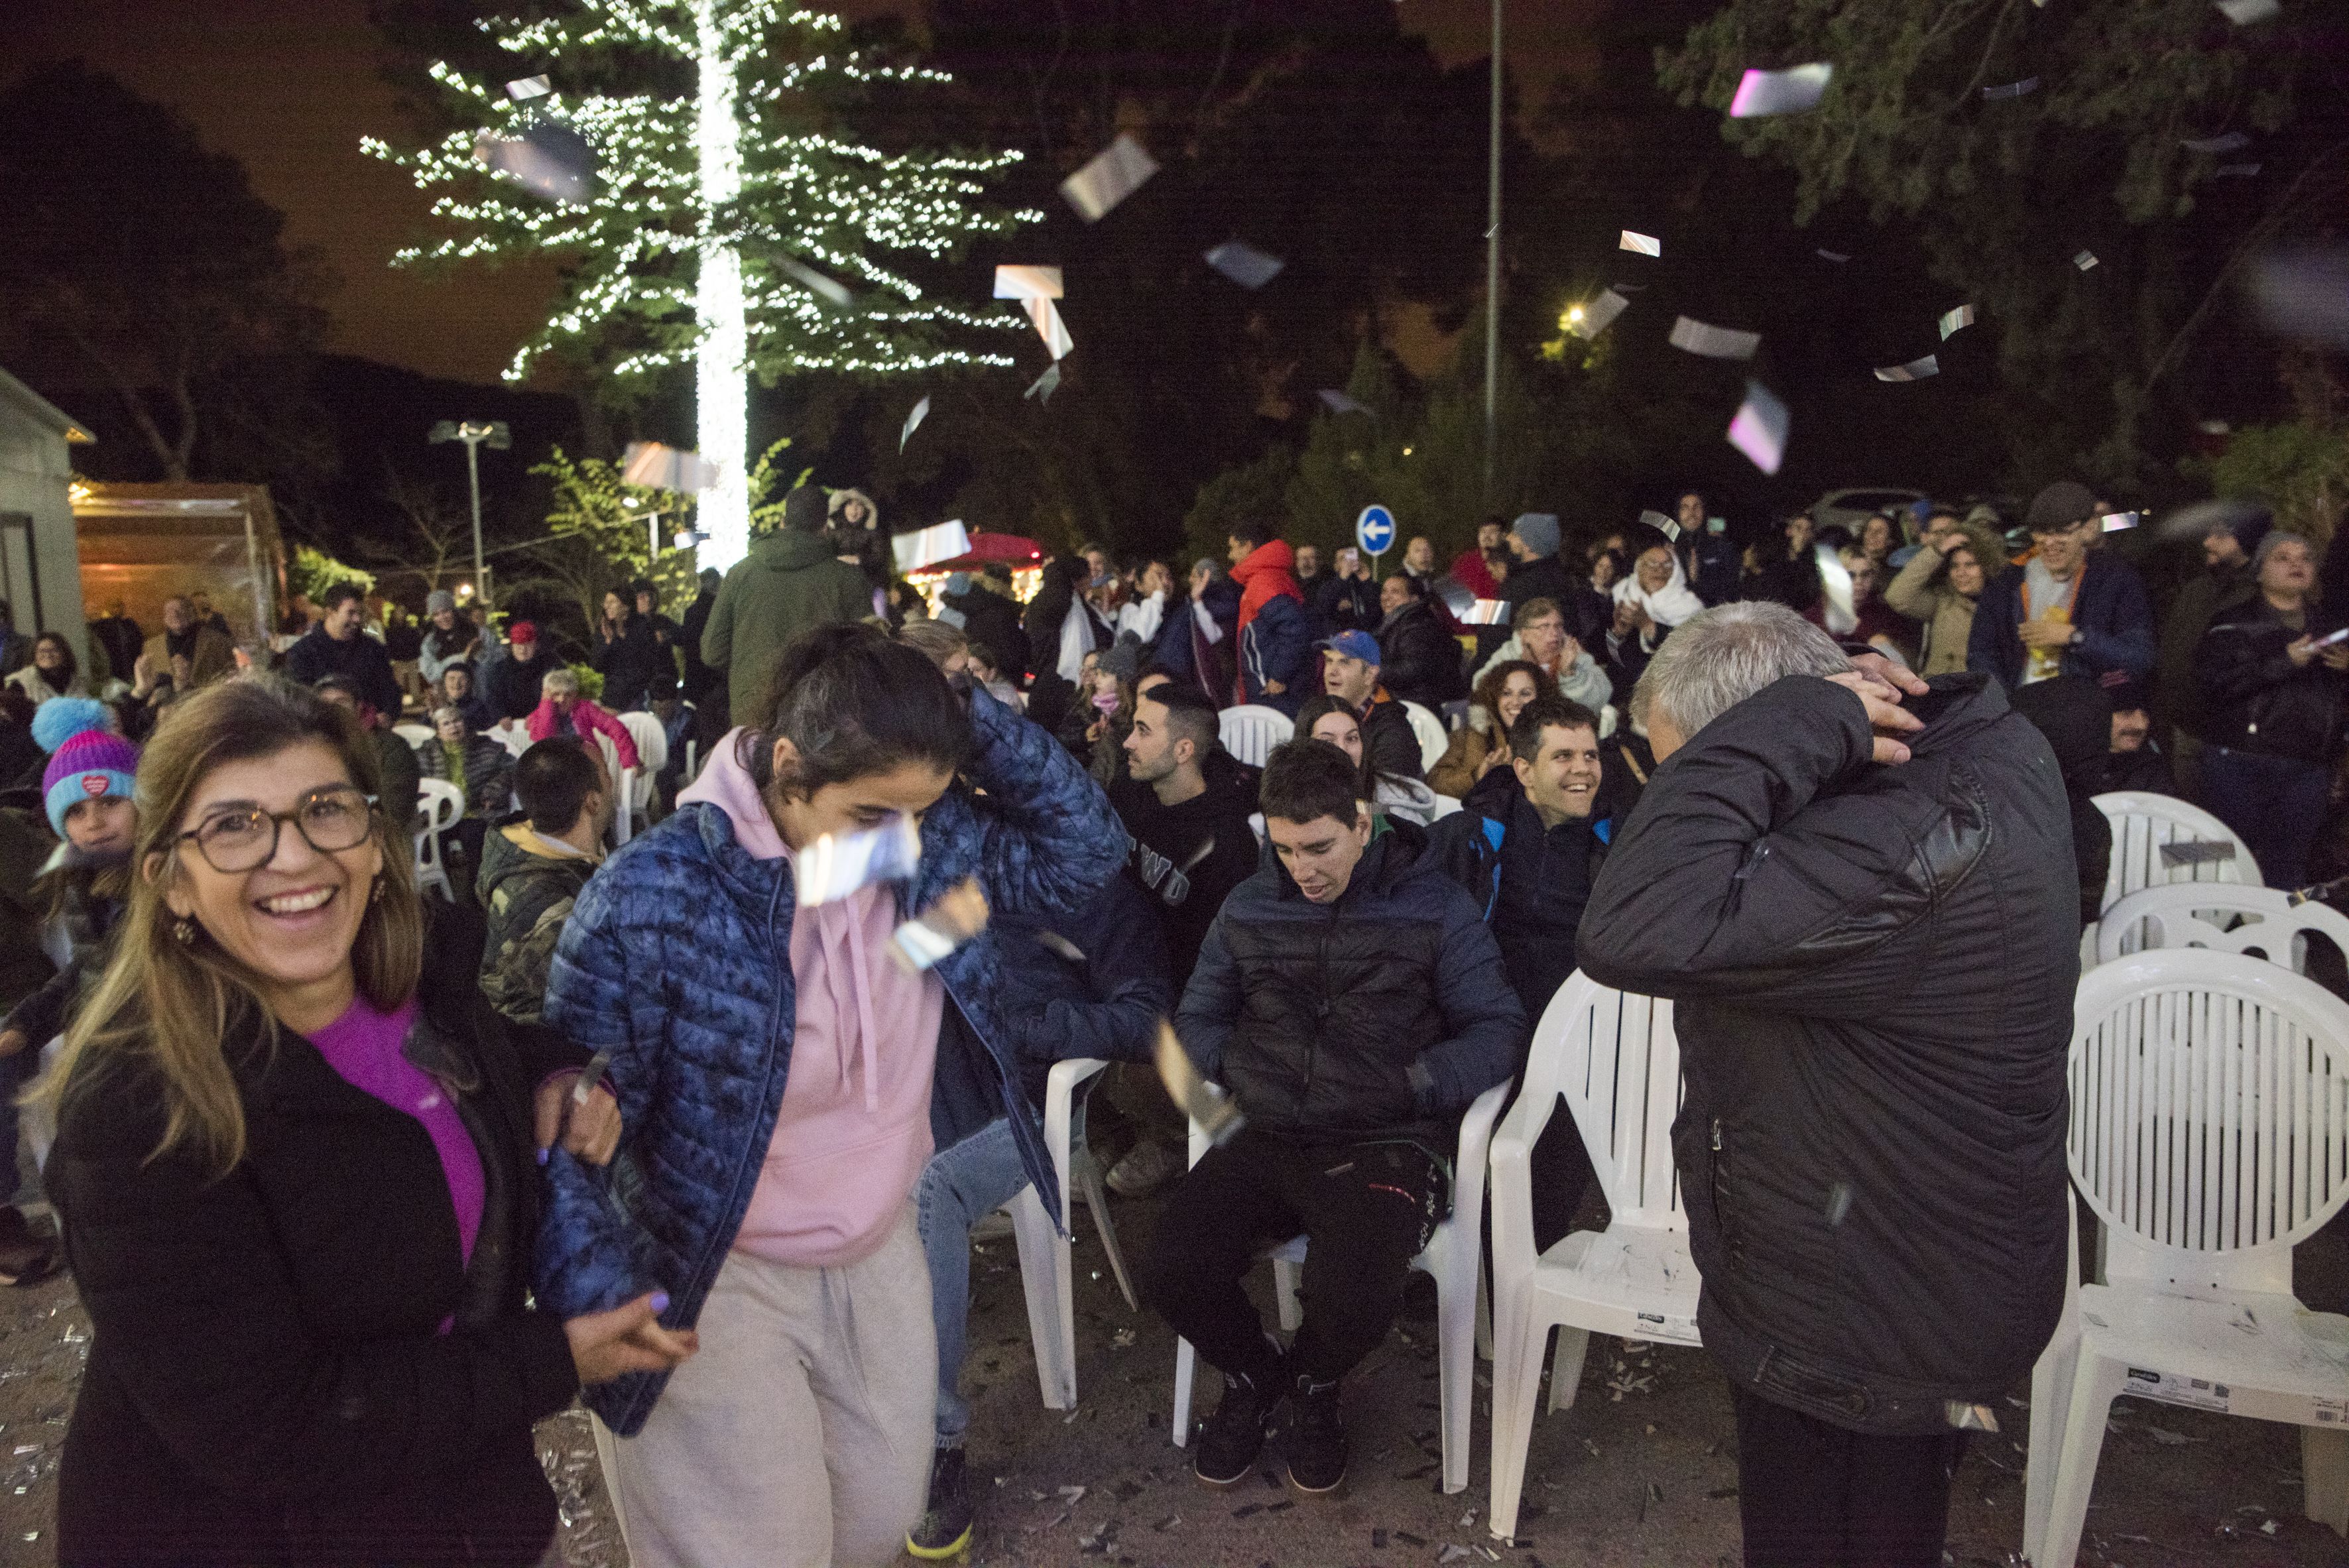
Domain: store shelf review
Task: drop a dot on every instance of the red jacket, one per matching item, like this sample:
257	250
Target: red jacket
587	720
1468	568
1264	574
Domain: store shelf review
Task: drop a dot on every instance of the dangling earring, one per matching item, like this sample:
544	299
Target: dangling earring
183	932
376	896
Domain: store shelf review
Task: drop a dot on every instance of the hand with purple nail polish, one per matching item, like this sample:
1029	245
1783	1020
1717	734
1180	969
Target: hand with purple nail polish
628	1338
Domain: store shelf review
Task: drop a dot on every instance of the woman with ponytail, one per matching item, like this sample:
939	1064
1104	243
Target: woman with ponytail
775	1068
294	1163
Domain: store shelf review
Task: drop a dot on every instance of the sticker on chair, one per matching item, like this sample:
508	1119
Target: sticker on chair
2196	852
2172	1389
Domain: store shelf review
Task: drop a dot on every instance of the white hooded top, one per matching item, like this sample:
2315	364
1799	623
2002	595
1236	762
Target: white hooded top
1668	605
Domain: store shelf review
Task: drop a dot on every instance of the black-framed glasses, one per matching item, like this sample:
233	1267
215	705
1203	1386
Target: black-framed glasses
337	817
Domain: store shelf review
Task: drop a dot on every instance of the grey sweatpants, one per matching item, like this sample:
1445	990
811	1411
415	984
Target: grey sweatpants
800	1436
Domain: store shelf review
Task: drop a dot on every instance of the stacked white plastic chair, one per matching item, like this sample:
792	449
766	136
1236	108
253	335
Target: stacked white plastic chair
1251	730
1612	1057
2257	921
1046	1268
1429	731
2210	1134
416	735
1451	1257
439	805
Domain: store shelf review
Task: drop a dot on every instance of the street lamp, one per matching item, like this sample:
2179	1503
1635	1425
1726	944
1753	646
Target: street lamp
474	434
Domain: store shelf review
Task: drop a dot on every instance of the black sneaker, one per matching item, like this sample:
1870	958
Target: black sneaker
1316	1436
1233	1435
944	1526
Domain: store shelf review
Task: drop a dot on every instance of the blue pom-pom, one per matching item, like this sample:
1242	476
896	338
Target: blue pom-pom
61	718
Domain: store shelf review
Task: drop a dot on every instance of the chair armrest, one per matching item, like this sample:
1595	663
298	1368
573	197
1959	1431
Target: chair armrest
1511	1166
1059	1108
1475	1139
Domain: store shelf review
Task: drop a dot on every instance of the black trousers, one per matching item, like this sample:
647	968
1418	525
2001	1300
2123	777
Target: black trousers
1811	1495
1365	1210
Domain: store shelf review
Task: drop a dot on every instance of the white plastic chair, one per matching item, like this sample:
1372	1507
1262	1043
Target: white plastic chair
631	783
1432	739
440	803
416	735
2144	823
652	741
1452	1258
1445	805
1612	1057
2210	1133
1250	731
2267	924
1047	1270
514	735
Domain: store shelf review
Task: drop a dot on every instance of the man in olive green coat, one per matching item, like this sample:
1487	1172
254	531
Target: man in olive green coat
788	585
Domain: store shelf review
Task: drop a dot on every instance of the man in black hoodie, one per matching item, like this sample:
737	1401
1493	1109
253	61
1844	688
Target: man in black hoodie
1872	1157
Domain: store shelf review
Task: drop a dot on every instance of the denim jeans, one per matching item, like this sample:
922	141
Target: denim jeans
2275	804
959	1187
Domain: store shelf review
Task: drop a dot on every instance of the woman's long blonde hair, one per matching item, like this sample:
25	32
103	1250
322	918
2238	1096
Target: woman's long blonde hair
174	1003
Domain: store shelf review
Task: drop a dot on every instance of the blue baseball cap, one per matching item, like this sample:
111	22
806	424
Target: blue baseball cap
1354	645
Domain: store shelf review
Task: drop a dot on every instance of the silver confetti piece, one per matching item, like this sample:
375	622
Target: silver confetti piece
1667	527
2013	89
921	411
549	159
1338	403
1915	370
2234	172
2243	13
1244	263
1761	427
928	546
656	467
1791	91
2084	260
1952	320
1218	1114
1638	243
1108	178
816	282
1713	342
1044	386
1838	1204
1968	1417
528	87
838	864
1046	314
1837	257
1029	282
2216	144
1456	595
1599	314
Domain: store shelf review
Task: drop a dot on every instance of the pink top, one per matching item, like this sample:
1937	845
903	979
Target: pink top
585	720
363	1046
854	1130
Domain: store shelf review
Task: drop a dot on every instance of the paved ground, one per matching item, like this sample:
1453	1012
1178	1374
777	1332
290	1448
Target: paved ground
1644	1474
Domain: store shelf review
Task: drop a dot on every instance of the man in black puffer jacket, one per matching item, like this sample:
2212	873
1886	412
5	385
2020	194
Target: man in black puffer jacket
1351	998
1866	907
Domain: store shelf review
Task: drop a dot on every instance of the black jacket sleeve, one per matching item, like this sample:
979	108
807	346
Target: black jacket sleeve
198	1318
1726	883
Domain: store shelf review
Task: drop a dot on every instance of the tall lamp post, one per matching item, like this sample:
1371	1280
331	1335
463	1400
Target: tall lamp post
493	433
1493	271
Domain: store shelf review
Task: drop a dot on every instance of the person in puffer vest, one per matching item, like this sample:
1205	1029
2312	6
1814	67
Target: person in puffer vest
774	1066
1351	998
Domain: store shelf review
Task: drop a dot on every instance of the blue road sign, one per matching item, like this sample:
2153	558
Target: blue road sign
1375	530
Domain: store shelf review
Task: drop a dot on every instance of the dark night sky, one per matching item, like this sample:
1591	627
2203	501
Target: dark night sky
288	86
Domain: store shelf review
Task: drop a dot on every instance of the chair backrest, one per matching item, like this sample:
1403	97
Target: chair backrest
2265	924
414	734
439	805
1455	713
2146	824
1251	730
1612	1054
2210	1125
1433	740
651	739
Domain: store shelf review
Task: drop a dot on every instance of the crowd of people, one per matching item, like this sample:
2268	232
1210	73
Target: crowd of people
358	1182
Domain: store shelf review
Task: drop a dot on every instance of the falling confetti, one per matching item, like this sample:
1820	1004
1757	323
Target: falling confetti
1641	244
1761	427
1915	370
1762	93
913	422
1713	342
1112	176
1952	320
1244	263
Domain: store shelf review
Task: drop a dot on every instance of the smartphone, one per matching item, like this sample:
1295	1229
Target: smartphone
2335	639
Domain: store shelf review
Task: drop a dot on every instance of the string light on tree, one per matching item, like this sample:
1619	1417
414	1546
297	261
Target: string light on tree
740	231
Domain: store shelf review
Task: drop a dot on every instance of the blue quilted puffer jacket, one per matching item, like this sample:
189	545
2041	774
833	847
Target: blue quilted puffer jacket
676	960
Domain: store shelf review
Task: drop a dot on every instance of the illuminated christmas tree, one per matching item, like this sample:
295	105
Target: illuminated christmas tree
736	227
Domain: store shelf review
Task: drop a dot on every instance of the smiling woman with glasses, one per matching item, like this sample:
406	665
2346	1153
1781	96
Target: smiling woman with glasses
295	1160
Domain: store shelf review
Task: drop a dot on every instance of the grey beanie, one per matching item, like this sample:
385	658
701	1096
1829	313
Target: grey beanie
439	599
1538	531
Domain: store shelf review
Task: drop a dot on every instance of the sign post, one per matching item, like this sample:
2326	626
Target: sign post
1375	530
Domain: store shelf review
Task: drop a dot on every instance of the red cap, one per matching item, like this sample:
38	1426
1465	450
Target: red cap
521	632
